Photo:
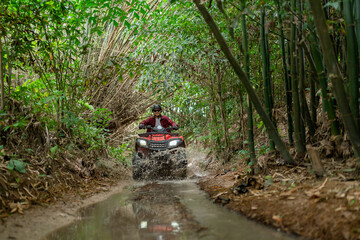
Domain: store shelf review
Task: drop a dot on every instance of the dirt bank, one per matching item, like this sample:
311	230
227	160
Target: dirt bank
292	199
38	221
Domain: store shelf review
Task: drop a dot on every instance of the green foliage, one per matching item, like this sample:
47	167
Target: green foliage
122	153
21	123
50	44
263	149
17	164
53	150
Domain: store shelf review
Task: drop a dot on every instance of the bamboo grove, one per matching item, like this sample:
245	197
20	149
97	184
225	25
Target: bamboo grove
296	61
234	74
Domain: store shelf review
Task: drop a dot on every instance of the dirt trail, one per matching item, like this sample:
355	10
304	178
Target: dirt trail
293	201
288	198
38	221
163	210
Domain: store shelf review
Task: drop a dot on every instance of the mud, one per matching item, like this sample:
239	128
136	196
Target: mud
161	165
39	221
163	210
293	201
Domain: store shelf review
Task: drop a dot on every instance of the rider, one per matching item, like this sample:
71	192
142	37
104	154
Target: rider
158	120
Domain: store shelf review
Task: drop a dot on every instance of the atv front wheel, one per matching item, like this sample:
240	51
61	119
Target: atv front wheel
181	164
137	169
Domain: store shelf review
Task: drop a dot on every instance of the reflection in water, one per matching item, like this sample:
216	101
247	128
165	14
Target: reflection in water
164	210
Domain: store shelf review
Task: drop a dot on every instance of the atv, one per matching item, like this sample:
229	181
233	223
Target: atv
159	154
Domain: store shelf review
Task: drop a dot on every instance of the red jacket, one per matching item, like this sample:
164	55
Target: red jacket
164	120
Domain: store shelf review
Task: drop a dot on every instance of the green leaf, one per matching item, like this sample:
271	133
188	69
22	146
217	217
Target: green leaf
18	165
10	165
116	24
127	24
333	4
53	150
349	170
77	42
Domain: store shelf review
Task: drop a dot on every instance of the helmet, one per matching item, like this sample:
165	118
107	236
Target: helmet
156	106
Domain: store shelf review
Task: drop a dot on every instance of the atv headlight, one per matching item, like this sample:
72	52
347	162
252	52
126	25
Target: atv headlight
142	143
174	143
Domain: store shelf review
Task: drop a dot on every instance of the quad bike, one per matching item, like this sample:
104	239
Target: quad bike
159	155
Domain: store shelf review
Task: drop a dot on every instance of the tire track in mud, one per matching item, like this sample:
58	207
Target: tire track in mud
163	210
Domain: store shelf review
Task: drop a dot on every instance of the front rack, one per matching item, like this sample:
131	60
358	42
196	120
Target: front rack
157	133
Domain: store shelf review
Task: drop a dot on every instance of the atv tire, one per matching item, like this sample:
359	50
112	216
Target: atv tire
181	164
137	169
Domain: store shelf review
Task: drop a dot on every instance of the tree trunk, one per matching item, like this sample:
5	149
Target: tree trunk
2	98
304	118
222	112
243	78
9	72
299	144
265	70
327	103
313	82
214	114
352	61
286	78
357	24
335	74
313	99
250	125
305	113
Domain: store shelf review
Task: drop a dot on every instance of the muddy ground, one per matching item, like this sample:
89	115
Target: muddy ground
38	221
289	198
292	199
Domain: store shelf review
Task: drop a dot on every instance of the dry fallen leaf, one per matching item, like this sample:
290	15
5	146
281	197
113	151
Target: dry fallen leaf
219	194
341	208
277	219
313	194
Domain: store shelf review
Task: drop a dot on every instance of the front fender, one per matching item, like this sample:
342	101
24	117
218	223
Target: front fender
141	151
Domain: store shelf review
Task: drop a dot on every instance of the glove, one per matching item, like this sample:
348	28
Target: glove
175	127
141	126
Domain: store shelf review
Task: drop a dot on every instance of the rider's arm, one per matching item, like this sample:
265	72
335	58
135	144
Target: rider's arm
147	121
170	122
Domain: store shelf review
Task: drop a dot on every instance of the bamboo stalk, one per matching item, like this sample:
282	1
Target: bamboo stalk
335	74
287	84
327	103
305	114
299	144
250	120
243	78
2	97
352	61
357	24
265	70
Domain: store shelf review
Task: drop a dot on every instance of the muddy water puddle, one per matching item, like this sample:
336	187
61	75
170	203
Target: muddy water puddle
163	210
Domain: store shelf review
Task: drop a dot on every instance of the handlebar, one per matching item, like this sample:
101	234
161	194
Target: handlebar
154	129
